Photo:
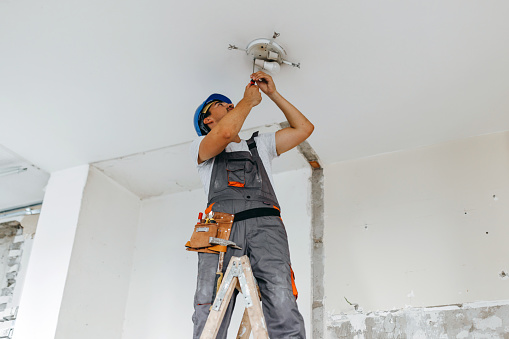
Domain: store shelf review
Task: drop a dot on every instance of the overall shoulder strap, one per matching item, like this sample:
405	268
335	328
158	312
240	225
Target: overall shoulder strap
251	143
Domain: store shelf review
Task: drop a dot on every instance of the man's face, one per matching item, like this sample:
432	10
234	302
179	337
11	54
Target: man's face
217	111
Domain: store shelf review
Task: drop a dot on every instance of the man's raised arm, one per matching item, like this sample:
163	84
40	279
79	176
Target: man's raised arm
300	127
226	125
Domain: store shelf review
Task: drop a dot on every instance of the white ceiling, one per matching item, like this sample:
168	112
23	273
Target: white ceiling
170	169
84	82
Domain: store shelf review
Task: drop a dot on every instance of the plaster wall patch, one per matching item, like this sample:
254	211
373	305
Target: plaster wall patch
491	323
434	317
420	334
462	334
474	320
358	322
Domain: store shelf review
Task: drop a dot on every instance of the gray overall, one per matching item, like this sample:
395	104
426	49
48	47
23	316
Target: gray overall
263	239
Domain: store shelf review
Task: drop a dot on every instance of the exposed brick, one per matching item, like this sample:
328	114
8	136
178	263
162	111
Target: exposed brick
6	291
14	253
11	236
6	333
16	246
13	261
6	324
19	239
9	314
7	232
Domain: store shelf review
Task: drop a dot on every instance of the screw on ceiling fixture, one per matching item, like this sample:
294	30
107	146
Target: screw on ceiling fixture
266	54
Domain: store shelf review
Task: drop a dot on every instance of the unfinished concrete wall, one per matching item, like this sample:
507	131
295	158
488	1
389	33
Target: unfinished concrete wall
10	257
418	228
16	239
11	250
160	303
488	320
26	240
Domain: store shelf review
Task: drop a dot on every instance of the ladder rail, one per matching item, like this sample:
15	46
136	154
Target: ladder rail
257	320
238	274
215	317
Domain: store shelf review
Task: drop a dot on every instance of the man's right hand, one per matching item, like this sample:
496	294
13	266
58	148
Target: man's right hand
252	95
228	127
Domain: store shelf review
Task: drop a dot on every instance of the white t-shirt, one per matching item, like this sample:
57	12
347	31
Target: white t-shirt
265	143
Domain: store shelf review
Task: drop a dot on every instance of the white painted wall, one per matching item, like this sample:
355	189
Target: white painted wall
97	285
51	252
163	280
163	277
423	227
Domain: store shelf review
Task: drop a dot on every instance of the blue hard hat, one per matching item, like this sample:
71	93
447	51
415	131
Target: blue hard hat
199	126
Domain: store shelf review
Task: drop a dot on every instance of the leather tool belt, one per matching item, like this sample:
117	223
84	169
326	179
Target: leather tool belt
220	226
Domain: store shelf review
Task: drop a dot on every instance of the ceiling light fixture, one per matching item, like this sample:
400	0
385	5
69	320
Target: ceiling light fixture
267	54
12	170
27	211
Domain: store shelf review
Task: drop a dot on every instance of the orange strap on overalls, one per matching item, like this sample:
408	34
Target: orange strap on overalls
294	287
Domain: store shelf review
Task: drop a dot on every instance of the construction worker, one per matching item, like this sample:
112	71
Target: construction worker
236	175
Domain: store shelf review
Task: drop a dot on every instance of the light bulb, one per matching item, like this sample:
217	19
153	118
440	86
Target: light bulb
272	67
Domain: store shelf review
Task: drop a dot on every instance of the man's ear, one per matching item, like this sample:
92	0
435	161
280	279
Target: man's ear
207	120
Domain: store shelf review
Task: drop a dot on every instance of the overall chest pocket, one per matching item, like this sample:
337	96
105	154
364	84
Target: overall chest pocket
243	173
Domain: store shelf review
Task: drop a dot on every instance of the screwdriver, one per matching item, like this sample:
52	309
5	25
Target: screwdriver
252	81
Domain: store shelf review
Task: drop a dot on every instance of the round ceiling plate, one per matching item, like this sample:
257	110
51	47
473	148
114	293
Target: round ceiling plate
264	49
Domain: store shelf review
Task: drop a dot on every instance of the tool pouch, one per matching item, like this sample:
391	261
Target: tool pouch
203	231
201	234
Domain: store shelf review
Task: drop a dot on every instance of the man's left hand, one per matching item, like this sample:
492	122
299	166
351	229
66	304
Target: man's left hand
264	82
